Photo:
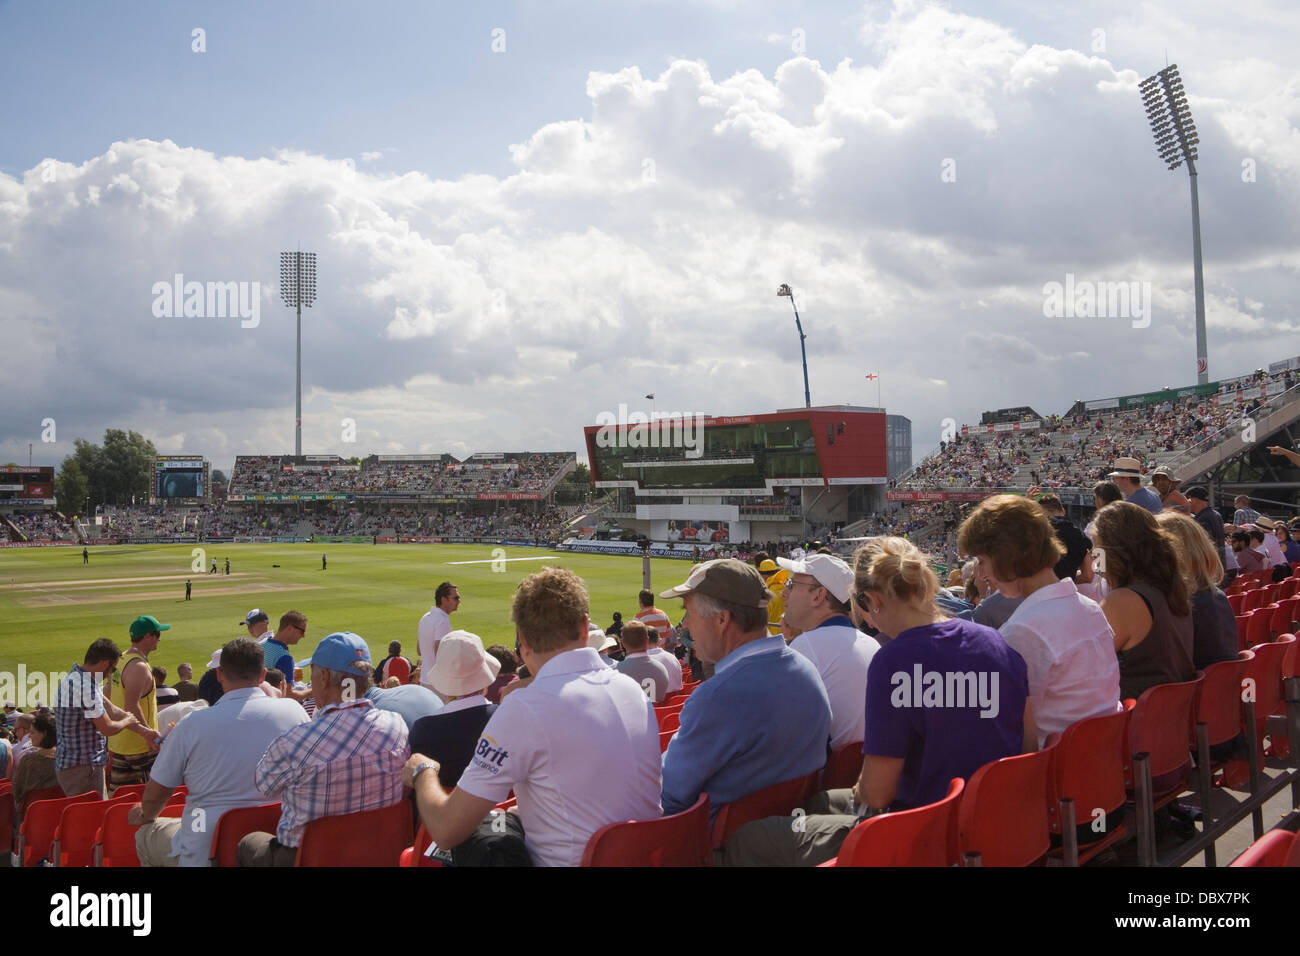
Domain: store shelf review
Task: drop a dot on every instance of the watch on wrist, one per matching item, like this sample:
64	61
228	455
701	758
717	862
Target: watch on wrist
428	765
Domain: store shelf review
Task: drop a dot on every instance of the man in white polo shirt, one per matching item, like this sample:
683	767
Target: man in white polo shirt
434	626
817	602
579	746
214	753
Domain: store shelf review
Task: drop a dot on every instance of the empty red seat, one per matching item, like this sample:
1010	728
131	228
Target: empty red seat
678	840
1002	817
74	838
40	820
1236	600
1088	769
665	736
1283	618
1274	848
918	837
1160	726
1257	628
365	838
234	825
1254	598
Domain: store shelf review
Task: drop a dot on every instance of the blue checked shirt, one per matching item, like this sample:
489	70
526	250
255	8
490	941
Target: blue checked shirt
347	759
76	705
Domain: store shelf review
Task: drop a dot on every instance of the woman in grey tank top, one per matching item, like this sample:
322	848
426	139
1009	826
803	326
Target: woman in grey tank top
1148	606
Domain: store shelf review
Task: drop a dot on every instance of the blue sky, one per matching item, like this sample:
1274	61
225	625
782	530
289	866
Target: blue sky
511	242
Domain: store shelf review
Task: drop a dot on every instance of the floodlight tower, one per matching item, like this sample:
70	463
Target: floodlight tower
1176	139
298	289
803	353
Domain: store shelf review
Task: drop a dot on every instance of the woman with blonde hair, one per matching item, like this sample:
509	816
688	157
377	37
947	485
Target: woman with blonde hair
1148	606
1214	624
915	743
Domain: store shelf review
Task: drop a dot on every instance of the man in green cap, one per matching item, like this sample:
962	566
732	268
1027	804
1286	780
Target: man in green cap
132	689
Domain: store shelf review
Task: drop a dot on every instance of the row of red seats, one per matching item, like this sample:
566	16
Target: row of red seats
1011	809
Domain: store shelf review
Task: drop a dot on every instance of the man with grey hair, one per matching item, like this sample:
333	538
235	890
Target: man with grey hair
347	759
23	732
763	718
186	689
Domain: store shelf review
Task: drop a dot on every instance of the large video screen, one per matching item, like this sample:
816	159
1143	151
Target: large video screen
182	482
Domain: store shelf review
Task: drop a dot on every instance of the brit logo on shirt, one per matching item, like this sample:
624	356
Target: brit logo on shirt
489	755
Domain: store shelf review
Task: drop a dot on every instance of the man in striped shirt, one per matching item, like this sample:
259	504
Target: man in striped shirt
347	759
662	638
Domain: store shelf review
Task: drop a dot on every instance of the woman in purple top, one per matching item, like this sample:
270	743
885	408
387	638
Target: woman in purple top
944	697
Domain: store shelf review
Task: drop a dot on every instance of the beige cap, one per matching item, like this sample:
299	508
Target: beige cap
727	580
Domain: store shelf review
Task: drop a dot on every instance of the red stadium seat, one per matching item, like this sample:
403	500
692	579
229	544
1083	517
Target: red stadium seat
1236	600
1279	742
671	721
47	793
1284	617
1257	628
843	767
234	825
1288	588
1254	598
678	840
74	838
1088	769
115	841
1160	726
1243	622
413	855
132	790
919	837
364	838
665	737
663	713
1002	819
777	800
1217	723
1266	672
41	819
7	815
1274	848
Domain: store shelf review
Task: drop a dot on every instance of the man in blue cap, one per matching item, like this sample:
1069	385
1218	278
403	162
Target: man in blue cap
348	759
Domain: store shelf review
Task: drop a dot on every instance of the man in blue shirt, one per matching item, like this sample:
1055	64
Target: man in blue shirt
1128	476
763	718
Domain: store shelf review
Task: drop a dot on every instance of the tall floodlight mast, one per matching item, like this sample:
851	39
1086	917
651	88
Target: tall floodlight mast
1176	139
298	290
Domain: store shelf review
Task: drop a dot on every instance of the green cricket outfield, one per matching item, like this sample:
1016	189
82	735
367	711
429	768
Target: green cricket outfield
52	605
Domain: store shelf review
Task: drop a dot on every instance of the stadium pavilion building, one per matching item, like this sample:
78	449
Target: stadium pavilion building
765	477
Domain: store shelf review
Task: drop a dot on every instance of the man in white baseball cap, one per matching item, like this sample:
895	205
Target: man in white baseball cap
817	602
461	673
